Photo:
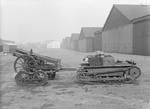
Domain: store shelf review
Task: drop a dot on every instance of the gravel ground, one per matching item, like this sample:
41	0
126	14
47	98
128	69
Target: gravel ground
65	93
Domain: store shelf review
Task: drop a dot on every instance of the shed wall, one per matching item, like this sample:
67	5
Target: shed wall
118	40
141	35
97	43
86	45
68	43
6	48
12	48
1	48
9	48
74	45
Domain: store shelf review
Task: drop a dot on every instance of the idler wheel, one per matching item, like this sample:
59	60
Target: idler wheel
134	72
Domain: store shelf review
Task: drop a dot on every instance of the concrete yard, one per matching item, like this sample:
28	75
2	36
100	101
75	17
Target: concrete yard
65	93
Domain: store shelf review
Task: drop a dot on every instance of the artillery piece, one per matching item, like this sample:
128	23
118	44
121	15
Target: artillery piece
34	69
104	68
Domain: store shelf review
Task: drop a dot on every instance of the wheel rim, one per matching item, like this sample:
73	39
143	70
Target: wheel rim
19	64
23	62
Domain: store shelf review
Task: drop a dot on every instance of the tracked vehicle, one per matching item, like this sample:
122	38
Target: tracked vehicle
104	68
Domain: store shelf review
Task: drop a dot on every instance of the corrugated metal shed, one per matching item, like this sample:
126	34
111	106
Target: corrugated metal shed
86	45
97	41
74	41
141	37
7	46
66	43
125	14
88	32
75	36
133	11
1	46
126	30
87	35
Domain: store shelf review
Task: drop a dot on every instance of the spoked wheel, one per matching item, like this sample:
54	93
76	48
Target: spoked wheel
31	79
24	62
19	64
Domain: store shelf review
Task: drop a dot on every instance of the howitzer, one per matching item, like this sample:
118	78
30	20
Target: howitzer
20	52
32	68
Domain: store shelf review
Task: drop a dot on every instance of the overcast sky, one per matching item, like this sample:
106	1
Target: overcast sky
39	20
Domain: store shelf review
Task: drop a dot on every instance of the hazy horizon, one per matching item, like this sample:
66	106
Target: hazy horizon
40	20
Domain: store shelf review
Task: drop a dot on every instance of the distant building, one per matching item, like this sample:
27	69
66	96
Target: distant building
1	45
87	35
97	41
127	30
7	46
74	41
66	43
53	44
62	44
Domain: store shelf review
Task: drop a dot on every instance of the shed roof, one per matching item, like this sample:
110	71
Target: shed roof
7	42
89	31
134	11
67	38
126	14
75	36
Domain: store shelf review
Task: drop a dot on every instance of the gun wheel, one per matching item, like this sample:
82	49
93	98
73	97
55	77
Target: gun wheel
19	64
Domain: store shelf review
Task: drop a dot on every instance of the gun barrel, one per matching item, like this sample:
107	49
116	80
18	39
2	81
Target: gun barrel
18	52
57	62
21	51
